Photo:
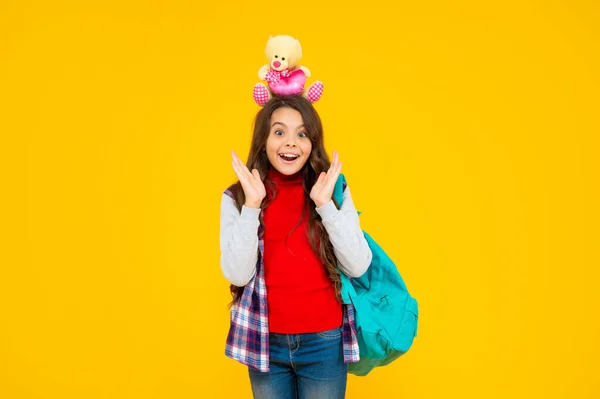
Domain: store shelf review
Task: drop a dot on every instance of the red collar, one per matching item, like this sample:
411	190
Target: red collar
281	178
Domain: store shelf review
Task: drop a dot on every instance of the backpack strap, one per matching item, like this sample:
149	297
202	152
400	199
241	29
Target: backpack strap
338	190
348	291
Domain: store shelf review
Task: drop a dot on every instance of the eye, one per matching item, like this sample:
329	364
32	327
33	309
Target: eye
302	133
276	56
277	131
282	58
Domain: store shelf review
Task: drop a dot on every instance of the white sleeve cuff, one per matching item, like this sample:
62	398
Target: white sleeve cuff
328	211
249	214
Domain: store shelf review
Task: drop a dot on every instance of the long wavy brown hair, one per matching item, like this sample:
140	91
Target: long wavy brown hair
317	162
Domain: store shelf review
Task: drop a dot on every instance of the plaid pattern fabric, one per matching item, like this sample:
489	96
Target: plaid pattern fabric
274	76
314	94
248	337
260	94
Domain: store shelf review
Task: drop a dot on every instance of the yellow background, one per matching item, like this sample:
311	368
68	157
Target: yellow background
468	132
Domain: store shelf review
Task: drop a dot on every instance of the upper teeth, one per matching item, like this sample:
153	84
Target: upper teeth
289	155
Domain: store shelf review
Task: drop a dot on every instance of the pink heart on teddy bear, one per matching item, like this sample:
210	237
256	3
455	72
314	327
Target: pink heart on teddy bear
290	85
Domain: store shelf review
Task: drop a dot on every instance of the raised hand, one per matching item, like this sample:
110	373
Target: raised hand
253	187
322	190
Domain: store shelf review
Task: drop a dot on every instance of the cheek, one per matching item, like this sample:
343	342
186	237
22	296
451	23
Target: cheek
307	149
270	147
271	154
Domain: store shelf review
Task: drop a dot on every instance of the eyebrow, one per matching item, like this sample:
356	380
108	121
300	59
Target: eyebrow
283	124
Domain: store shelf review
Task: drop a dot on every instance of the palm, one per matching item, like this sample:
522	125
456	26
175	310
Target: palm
253	187
322	190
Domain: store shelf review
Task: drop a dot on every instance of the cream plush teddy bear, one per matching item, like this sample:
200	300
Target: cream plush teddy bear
283	74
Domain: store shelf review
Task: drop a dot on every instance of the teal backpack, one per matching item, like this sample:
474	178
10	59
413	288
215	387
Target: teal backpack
386	314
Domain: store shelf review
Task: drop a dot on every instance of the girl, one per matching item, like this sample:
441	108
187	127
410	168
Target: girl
282	240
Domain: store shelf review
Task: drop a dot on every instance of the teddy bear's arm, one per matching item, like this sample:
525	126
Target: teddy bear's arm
305	69
262	72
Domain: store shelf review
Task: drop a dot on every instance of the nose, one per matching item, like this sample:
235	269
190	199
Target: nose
291	143
276	64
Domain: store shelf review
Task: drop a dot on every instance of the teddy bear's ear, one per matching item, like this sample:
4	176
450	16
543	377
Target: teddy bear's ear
298	50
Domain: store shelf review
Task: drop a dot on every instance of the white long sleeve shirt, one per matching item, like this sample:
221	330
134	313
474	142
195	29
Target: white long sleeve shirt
239	239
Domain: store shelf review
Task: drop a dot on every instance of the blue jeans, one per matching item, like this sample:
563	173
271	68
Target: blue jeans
303	366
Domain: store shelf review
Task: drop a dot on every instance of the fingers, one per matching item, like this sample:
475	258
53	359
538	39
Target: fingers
235	163
241	167
335	167
334	171
242	173
238	171
321	177
335	163
338	164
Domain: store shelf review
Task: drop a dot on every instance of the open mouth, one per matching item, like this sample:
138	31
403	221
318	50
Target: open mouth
288	159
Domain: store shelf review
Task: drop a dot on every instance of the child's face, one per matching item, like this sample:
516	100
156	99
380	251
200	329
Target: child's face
288	136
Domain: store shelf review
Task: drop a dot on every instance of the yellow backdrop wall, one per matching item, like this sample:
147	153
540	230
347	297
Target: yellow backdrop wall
468	132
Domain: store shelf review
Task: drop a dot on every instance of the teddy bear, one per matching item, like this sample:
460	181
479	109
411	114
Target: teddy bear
283	75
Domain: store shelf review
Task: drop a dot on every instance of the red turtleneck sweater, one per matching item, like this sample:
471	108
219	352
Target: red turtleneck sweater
300	295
